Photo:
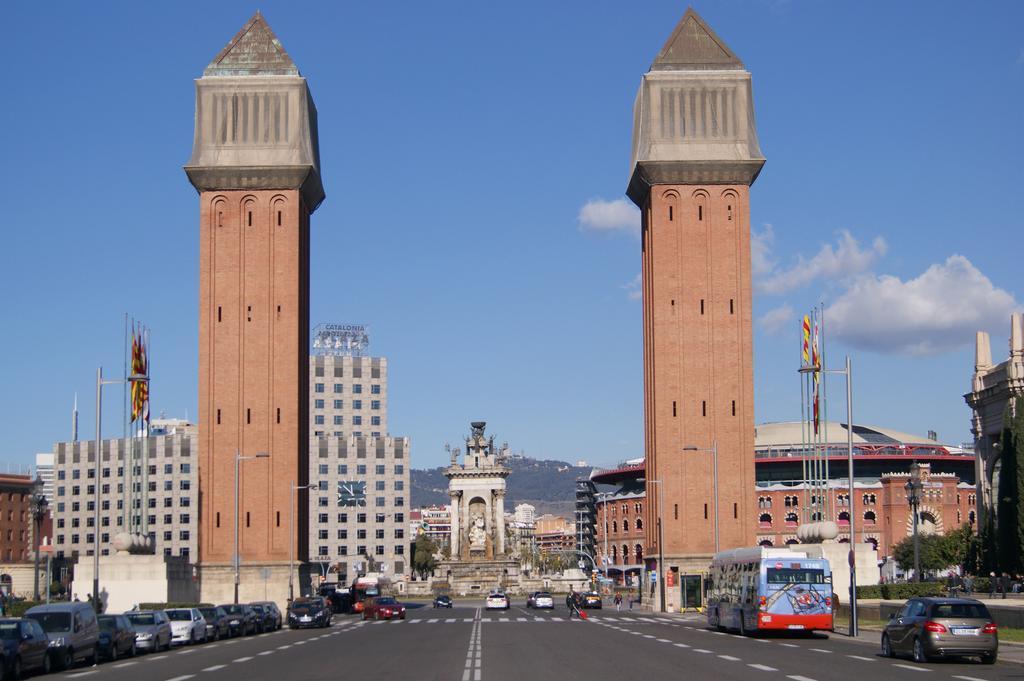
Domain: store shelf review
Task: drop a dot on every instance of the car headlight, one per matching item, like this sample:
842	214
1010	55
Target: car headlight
57	642
143	636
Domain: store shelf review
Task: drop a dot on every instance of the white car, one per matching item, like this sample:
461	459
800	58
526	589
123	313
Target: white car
543	600
187	625
497	601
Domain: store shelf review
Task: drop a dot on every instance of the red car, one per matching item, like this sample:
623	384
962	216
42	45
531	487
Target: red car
383	608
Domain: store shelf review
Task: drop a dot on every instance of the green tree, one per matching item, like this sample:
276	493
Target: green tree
957	546
423	561
1009	509
934	553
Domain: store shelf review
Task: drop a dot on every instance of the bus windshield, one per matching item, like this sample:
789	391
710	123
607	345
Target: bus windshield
795	576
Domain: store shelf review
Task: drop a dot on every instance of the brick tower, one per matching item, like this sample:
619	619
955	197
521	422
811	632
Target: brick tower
695	155
255	164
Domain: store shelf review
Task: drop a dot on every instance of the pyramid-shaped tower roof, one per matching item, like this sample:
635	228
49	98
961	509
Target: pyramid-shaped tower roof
694	46
254	51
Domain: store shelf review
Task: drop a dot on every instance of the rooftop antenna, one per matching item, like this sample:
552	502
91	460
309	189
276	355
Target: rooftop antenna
74	420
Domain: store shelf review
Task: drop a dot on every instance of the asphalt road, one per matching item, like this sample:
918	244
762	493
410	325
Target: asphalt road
467	643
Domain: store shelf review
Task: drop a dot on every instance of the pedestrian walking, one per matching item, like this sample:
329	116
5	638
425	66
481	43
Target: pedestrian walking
1004	584
570	601
618	602
993	584
968	584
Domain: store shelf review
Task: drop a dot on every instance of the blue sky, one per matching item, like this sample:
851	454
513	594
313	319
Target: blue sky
460	144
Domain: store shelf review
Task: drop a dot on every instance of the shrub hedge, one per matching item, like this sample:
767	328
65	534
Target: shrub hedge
901	591
170	606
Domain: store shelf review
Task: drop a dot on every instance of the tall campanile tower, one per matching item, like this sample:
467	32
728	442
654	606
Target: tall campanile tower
255	163
695	155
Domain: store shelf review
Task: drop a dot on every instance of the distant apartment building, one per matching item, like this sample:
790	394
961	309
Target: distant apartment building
162	496
554	534
436	523
44	471
525	513
359	509
15	517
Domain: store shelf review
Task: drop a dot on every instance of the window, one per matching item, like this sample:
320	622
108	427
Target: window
319	387
342	534
323	551
168	535
168	468
168	485
343	517
399	517
399	550
318	404
322	534
399	469
361	518
322	485
338	388
184	485
76	474
338	420
379	550
380	502
184	501
380	533
380	469
357	388
360	534
374	404
375	389
342	469
60	475
318	419
361	469
357	421
168	502
342	550
323	469
184	518
357	404
399	534
322	502
380	517
375	421
337	404
399	485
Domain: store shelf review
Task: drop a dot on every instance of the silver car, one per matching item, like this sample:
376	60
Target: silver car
188	625
927	628
152	629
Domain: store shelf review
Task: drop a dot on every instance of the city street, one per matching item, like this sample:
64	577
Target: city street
467	643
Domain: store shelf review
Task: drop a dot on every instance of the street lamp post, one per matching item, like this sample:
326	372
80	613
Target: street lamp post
291	539
913	488
100	382
714	484
38	510
238	460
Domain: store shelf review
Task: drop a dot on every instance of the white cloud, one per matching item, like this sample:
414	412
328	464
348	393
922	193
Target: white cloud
773	320
843	260
936	312
633	288
598	215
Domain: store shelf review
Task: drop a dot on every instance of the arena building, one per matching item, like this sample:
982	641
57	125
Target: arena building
883	460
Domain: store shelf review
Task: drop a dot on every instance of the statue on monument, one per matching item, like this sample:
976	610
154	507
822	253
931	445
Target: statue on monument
477	534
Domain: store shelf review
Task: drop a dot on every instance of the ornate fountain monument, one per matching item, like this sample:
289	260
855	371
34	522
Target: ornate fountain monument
479	560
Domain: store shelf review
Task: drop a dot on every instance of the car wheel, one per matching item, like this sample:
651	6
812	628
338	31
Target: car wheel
887	646
989	659
134	650
68	659
113	651
919	654
16	668
47	664
94	658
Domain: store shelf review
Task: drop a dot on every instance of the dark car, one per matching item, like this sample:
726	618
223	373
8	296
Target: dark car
383	608
26	647
443	601
340	600
310	611
272	615
264	618
241	619
216	622
927	628
117	637
592	600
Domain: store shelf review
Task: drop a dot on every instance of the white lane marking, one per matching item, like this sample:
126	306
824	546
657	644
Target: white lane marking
284	647
820	650
680	645
636	633
124	664
75	676
215	668
299	643
539	619
664	640
467	619
969	678
797	677
418	621
266	652
789	645
181	678
556	619
449	621
859	657
763	667
907	666
761	640
186	652
520	619
503	619
730	658
431	621
648	636
241	659
701	650
719	633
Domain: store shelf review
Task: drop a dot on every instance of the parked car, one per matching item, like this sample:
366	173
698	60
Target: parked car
72	629
152	629
592	601
927	628
241	619
340	600
497	600
116	637
272	615
26	647
383	608
443	601
187	625
310	611
540	600
216	622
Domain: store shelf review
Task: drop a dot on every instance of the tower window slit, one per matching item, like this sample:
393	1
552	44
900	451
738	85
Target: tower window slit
247	519
673	302
675	511
248	415
248	313
278	218
730	212
218	417
250	219
705	511
673	407
731	306
700	212
670	213
278	519
703	408
735	510
702	306
279	414
734	407
218	518
218	313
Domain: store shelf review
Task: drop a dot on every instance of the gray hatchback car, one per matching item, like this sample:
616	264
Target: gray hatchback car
927	628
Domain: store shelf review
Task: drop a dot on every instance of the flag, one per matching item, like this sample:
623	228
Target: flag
816	363
139	382
806	339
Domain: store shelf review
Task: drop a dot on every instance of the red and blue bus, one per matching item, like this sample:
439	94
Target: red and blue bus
750	590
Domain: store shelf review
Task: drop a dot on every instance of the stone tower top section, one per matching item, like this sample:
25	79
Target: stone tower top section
693	119
254	51
255	123
694	46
